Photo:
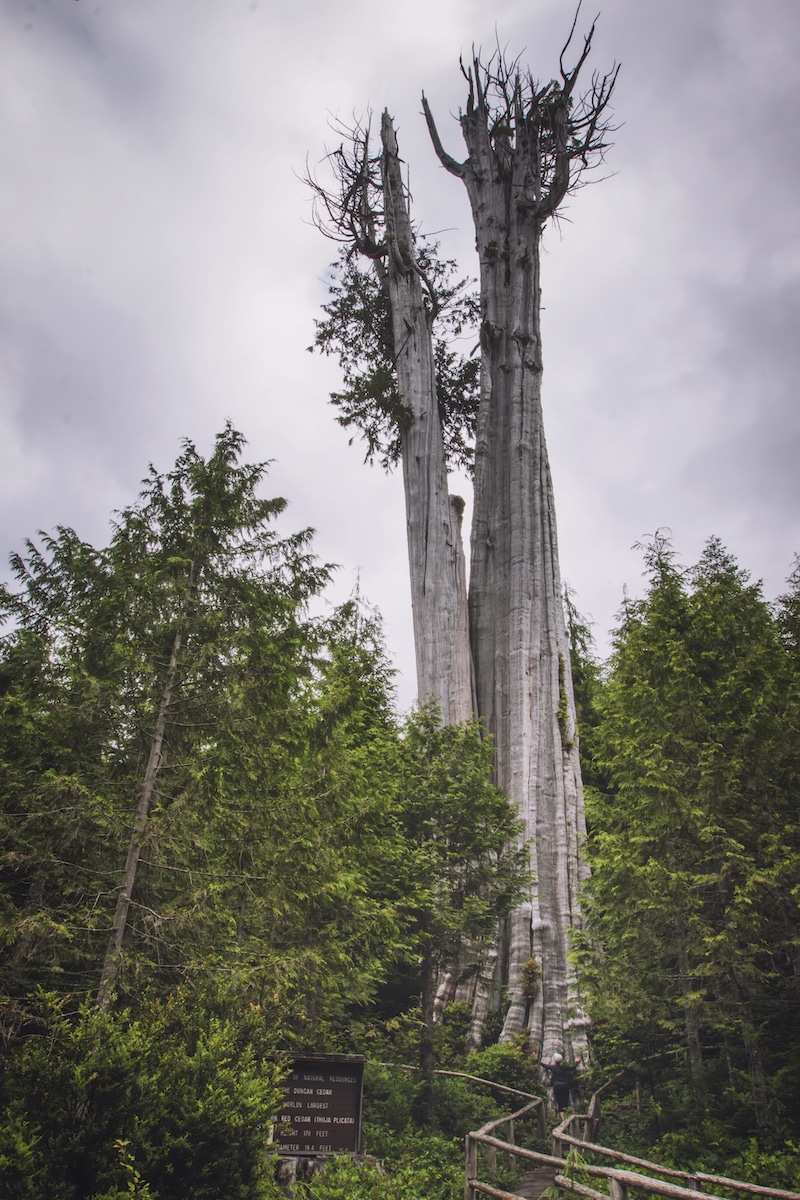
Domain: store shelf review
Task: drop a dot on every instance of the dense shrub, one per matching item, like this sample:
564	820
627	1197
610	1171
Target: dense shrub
169	1101
427	1171
508	1063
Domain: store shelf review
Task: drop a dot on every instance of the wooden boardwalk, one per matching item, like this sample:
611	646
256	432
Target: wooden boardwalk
534	1182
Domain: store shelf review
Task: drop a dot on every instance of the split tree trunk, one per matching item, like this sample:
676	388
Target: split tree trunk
435	550
518	629
524	154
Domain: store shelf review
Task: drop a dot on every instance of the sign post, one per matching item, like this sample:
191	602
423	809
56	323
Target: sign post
321	1111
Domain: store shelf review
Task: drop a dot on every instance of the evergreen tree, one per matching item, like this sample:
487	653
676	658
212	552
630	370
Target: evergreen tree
462	862
168	742
694	847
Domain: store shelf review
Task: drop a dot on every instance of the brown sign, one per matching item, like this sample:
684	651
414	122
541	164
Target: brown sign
321	1111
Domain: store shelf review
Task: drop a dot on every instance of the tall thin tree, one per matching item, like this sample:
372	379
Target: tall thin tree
369	212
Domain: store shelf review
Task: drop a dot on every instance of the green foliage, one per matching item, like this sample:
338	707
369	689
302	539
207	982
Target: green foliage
657	1129
508	1063
135	1185
531	978
357	330
460	869
694	845
776	1168
395	1109
296	846
458	1107
586	686
426	1170
396	1100
308	865
451	1034
256	857
189	623
170	1100
389	1102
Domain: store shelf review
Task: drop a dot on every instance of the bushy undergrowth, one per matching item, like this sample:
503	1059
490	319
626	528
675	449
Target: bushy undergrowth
508	1063
429	1175
667	1125
394	1127
421	1162
710	1148
169	1102
175	1099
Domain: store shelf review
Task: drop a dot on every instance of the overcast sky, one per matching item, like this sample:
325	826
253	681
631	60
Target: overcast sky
159	272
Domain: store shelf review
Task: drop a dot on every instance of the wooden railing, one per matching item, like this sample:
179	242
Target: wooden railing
617	1180
498	1087
473	1185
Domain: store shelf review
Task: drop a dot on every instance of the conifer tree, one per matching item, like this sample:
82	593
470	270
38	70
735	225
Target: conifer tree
694	847
184	754
460	866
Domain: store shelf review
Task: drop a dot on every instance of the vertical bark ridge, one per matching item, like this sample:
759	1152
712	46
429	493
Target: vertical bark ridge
519	638
435	549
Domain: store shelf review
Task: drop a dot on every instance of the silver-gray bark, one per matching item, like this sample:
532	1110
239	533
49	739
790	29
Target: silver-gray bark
522	142
433	517
527	147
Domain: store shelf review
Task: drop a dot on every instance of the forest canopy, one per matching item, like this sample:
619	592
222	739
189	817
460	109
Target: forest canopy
307	861
219	838
692	748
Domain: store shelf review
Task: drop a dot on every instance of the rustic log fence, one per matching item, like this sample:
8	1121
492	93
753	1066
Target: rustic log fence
576	1133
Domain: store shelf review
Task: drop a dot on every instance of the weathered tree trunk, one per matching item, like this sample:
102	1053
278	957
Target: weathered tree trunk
435	550
518	629
526	148
520	641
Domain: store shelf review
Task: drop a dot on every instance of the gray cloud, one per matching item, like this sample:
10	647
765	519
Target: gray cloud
160	272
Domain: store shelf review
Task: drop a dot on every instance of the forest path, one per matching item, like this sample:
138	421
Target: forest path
534	1182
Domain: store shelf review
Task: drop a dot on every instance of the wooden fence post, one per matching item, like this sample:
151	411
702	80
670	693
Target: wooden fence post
617	1190
593	1118
471	1168
512	1158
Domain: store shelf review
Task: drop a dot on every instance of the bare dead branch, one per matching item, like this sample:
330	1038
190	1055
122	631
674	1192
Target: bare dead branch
351	211
566	45
449	164
570	77
541	138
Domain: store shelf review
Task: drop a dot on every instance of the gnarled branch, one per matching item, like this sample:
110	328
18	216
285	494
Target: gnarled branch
449	164
351	211
541	138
